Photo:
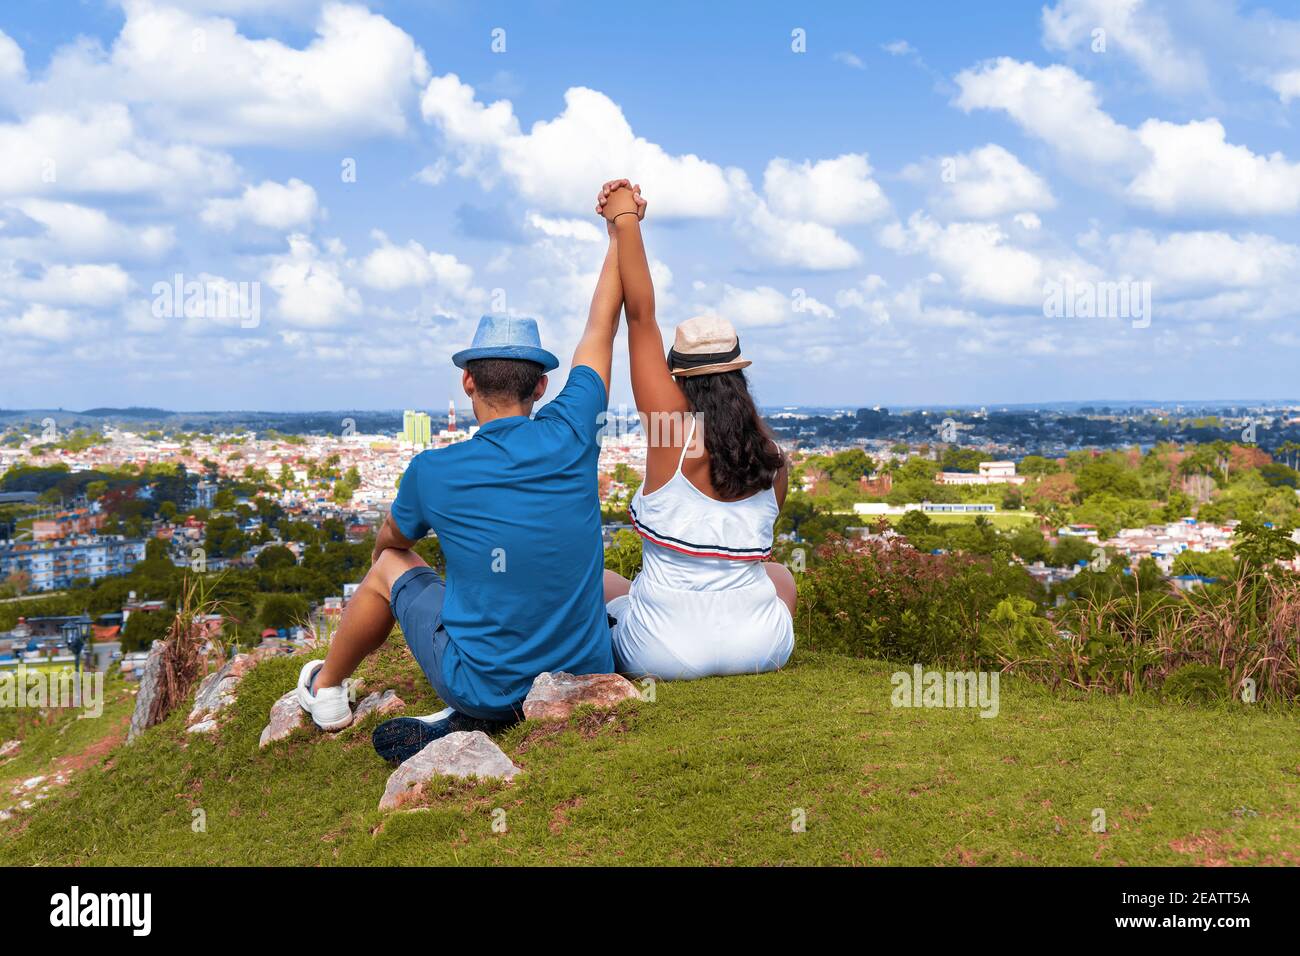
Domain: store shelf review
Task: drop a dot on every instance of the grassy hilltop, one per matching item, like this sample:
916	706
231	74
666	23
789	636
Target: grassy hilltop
711	772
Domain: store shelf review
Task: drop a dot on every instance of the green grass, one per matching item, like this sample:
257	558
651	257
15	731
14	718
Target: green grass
59	738
712	772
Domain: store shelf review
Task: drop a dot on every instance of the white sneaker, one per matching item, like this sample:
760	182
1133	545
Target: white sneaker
328	706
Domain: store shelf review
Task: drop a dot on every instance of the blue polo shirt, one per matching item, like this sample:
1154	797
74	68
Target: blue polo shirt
517	513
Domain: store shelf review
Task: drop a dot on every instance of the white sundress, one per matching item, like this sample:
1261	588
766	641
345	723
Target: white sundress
703	604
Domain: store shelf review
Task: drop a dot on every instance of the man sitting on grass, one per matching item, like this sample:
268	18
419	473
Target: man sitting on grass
517	513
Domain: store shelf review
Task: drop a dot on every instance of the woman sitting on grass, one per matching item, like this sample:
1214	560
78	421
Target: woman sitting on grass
707	602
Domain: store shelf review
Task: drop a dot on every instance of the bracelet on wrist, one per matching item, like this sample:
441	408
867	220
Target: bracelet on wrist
630	212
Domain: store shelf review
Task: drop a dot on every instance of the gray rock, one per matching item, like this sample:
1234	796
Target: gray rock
377	703
462	754
148	693
217	691
287	716
554	696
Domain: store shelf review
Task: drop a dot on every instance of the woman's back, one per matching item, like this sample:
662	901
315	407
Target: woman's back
694	541
706	601
703	603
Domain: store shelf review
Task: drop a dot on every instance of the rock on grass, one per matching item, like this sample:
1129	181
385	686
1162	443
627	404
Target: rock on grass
149	677
462	754
554	696
377	703
287	716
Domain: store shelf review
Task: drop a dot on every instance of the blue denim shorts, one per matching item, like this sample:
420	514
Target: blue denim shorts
416	602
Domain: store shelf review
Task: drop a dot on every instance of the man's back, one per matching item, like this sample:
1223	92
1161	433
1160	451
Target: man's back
517	514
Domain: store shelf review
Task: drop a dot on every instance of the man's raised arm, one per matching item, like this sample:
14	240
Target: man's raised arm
596	347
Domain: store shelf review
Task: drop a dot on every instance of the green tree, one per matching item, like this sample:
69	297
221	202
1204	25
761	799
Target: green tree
1037	465
283	611
275	557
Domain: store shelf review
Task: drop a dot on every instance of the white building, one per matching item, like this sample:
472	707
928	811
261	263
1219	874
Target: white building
990	473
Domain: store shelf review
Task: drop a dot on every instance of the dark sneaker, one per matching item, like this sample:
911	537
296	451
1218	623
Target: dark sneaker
403	737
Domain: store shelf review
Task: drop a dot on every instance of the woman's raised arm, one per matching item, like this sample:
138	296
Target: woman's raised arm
652	385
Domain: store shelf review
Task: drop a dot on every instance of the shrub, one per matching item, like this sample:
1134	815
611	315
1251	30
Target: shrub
1247	628
882	598
1196	684
623	555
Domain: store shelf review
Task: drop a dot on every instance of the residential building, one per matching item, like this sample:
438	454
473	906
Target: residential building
417	428
990	473
52	565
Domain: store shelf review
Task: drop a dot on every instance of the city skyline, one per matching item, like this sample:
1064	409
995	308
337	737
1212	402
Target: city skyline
951	207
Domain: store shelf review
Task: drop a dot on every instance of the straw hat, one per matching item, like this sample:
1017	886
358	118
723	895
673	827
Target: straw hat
705	345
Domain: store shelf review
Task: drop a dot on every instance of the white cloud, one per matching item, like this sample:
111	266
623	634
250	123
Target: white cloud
99	151
197	74
77	285
849	59
391	267
1287	85
242	7
789	242
986	265
556	165
985	183
866	297
1194	169
559	163
833	192
312	293
39	322
1131	28
434	173
762	307
1183	261
13	65
64	230
1052	103
270	204
1172	168
580	229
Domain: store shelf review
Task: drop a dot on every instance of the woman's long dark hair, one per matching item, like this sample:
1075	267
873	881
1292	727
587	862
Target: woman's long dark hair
743	458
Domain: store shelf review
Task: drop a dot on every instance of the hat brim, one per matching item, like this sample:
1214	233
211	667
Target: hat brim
711	369
527	353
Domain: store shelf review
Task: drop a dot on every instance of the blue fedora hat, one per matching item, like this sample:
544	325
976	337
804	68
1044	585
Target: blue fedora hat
502	337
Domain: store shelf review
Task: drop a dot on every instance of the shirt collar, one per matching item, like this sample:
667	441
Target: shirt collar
505	420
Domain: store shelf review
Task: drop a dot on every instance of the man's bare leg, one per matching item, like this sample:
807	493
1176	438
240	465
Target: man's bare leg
367	620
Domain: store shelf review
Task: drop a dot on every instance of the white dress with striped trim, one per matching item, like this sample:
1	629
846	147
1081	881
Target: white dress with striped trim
703	604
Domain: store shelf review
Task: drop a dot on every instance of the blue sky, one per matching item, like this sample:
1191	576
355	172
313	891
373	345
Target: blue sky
880	203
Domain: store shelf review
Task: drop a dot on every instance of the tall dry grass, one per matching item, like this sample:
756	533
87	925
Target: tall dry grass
187	651
1247	628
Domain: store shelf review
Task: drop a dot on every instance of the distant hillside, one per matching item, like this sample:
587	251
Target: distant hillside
132	412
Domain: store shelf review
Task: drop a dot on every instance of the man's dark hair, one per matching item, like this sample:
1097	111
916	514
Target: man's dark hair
511	380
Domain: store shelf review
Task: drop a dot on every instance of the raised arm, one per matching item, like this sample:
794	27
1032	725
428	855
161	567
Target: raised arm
652	385
596	347
663	407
